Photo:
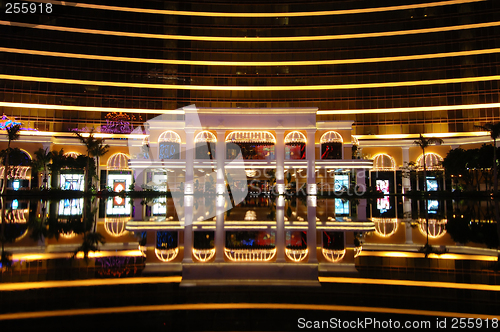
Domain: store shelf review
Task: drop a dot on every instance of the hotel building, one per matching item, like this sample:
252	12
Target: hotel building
332	75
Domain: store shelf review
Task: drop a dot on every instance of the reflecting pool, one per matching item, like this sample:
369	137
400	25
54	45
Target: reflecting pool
393	256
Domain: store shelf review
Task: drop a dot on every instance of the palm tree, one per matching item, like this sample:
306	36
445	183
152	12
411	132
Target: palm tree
98	151
423	143
95	148
59	160
494	130
40	163
13	135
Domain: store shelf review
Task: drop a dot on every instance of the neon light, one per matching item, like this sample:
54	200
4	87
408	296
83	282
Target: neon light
410	109
88	109
250	255
251	63
251	88
333	256
253	39
204	255
166	255
289	14
296	255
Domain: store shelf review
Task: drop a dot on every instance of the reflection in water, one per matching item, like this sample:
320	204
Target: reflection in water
201	230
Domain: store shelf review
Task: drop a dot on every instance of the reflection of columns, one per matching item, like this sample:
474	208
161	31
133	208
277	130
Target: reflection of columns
360	180
139	179
220	155
280	229
311	229
188	229
280	161
408	233
311	162
406	160
219	237
188	180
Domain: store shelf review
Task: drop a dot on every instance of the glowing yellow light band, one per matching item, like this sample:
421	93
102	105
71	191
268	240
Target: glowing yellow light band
253	39
292	14
410	109
251	88
251	63
88	109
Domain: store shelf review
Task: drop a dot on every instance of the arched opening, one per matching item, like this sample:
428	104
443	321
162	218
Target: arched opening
252	144
119	178
331	145
205	143
295	146
384	167
169	145
19	170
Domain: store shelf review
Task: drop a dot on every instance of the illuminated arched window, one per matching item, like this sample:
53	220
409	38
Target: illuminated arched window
354	141
384	162
295	145
205	143
118	162
169	145
432	161
252	144
331	145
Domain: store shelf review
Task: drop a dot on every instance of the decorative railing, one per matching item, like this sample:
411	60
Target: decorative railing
250	255
166	255
296	255
333	256
203	255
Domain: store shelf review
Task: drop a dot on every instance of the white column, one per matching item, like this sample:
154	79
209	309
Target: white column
311	162
280	161
220	155
219	236
188	229
189	178
311	229
280	229
139	178
360	180
138	210
406	159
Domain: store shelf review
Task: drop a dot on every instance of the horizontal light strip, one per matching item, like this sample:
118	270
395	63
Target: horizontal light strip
250	63
89	109
238	306
410	109
252	39
440	135
292	14
21	286
250	88
410	283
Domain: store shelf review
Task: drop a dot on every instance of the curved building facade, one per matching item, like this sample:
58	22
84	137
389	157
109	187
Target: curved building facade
395	70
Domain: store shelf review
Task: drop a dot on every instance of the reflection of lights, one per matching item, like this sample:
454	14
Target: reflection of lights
250	255
333	256
204	255
357	251
250	215
437	228
250	172
385	227
296	255
166	255
115	226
